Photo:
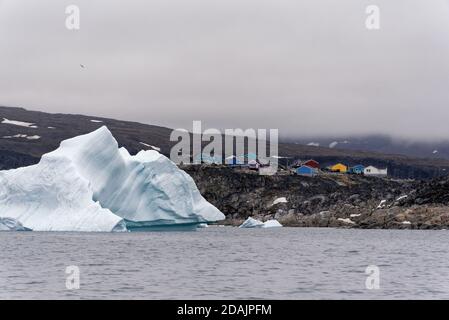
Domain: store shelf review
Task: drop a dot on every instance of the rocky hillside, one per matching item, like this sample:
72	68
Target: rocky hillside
331	200
26	135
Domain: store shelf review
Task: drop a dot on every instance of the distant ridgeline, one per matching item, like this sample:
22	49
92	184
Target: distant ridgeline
26	135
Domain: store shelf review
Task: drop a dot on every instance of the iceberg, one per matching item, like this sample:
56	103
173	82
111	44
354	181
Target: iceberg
251	223
89	184
254	223
271	224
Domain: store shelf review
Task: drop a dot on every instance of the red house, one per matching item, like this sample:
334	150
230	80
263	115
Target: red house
312	163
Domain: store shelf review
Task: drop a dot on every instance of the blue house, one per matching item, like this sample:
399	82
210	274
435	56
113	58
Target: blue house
357	169
233	161
306	171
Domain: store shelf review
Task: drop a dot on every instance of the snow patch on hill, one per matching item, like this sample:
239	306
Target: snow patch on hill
19	123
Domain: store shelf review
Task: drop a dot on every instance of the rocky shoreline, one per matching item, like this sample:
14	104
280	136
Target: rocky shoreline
332	200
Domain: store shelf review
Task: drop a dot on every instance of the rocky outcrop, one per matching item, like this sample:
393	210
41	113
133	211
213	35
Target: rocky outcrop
331	200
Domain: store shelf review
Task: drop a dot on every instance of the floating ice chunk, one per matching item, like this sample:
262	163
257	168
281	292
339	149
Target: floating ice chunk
96	121
271	224
203	225
251	223
254	223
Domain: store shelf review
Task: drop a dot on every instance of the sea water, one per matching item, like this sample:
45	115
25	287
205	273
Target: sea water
227	263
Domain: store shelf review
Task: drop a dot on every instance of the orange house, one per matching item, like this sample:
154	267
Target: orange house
339	167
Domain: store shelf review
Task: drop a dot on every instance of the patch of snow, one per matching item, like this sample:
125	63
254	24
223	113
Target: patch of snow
19	123
346	220
95	121
89	184
24	136
35	137
355	215
406	222
150	146
313	144
280	200
333	144
401	197
382	204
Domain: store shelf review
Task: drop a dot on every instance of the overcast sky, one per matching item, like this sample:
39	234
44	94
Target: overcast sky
307	67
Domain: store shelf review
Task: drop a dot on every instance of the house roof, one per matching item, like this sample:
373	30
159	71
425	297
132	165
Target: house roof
306	167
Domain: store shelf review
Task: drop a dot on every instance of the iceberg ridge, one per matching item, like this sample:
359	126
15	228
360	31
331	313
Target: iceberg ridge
89	184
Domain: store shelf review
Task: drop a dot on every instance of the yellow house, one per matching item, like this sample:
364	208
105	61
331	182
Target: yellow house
339	167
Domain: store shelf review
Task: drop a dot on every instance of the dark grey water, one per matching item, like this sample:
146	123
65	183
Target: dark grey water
226	263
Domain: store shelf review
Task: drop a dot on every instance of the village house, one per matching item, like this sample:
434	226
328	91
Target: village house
312	163
373	171
339	167
306	171
357	169
253	164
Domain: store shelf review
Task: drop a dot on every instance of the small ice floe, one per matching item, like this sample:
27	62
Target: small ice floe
354	215
202	225
333	144
435	151
19	123
280	200
251	223
382	204
401	197
406	222
95	121
271	224
313	144
150	146
51	128
254	223
346	220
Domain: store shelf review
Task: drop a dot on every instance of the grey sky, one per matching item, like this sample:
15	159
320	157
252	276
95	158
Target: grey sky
303	66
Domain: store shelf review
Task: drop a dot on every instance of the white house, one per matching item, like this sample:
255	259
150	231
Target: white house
373	171
253	164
